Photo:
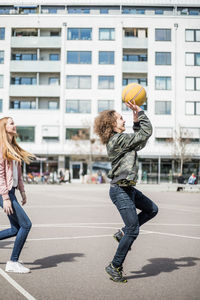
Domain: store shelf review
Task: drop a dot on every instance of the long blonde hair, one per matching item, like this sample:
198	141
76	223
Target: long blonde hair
11	150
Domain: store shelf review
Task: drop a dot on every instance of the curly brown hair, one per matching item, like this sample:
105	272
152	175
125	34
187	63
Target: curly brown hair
104	124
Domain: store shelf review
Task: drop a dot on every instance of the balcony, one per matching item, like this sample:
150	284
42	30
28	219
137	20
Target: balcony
36	42
35	66
135	43
35	90
134	67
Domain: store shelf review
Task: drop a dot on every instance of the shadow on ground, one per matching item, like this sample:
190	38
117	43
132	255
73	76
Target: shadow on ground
5	244
54	260
162	265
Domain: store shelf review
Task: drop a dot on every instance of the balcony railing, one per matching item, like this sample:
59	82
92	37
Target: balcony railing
35	66
35	90
135	43
134	67
36	41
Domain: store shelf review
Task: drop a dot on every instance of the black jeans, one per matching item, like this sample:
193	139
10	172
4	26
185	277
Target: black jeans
127	199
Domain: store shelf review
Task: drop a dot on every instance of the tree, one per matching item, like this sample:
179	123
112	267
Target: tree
181	146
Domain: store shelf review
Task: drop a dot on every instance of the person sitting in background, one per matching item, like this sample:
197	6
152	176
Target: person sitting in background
192	179
181	181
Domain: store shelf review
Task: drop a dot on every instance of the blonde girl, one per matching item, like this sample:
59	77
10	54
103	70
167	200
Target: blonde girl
11	157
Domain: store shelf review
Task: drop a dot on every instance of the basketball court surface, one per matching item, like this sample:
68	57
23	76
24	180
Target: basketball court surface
71	242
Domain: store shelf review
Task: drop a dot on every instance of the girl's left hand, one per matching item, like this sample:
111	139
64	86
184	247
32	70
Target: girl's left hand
24	199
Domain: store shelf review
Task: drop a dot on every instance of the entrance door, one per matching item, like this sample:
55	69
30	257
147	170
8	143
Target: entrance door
76	168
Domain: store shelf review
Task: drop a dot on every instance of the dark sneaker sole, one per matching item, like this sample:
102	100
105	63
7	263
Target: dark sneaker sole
120	281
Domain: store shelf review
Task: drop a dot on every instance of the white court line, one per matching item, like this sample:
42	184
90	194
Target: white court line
70	238
93	225
173	234
16	285
167	224
68	206
76	237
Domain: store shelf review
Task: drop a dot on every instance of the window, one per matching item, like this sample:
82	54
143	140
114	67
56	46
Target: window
54	33
25	104
129	10
125	108
27	32
135	57
23	80
163	107
79	57
163	58
192	59
192	108
191	134
194	12
78	106
106	82
159	11
26	134
105	104
104	10
192	35
1	105
1	81
53	105
78	82
192	83
79	34
142	81
77	134
106	34
54	56
136	32
77	10
53	9
54	81
163	83
1	57
163	134
2	33
27	10
106	57
163	34
27	56
50	133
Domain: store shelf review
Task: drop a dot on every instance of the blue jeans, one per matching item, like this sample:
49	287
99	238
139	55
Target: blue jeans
127	199
20	226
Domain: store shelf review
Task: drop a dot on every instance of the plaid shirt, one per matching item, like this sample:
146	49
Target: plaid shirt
122	151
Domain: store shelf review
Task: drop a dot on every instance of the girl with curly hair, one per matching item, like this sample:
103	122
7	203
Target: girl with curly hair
122	152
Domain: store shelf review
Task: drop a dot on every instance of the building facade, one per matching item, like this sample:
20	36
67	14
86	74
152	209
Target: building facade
61	64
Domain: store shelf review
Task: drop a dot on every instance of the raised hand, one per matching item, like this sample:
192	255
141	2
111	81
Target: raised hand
135	108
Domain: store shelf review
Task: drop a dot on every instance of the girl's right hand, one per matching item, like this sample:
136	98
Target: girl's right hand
133	106
7	207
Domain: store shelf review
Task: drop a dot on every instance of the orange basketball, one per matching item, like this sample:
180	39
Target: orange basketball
134	91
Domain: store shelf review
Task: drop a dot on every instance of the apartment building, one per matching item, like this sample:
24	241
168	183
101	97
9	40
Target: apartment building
61	64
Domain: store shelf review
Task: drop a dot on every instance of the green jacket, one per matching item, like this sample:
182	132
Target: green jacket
122	150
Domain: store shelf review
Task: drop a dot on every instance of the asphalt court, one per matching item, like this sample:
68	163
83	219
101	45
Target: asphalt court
71	242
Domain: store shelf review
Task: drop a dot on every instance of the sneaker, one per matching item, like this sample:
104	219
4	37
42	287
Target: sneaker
118	236
16	267
115	273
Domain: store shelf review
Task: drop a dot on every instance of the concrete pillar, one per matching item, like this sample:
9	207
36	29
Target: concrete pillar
140	172
61	163
159	165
